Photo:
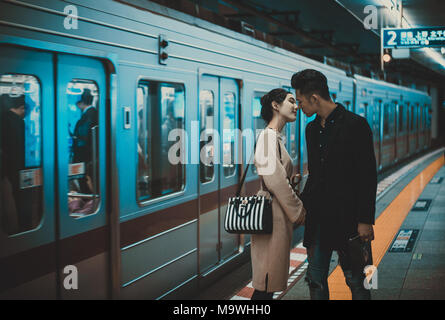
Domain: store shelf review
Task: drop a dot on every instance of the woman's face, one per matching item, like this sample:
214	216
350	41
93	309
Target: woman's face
288	108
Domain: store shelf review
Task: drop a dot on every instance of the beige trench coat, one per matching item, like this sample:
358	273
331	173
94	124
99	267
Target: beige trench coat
271	252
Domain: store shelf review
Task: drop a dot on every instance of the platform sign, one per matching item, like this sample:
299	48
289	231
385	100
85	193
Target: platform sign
413	37
404	242
436	180
422	205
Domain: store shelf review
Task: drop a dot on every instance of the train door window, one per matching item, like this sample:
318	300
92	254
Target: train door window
421	126
229	127
386	119
21	197
83	130
401	122
427	117
293	139
413	118
207	146
258	123
362	109
161	109
144	141
376	119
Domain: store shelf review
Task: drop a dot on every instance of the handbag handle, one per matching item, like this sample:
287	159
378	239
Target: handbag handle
252	202
240	185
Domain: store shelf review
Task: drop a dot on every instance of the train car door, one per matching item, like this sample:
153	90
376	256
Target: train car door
81	177
219	109
27	206
293	136
378	122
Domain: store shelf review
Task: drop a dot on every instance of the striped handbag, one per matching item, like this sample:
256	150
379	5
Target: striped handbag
249	215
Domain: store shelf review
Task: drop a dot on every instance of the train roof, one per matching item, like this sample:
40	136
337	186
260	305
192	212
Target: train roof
168	13
381	83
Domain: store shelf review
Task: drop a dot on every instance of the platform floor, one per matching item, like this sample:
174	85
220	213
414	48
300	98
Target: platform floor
418	273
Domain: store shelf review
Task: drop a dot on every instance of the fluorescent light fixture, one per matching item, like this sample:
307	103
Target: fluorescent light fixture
390	4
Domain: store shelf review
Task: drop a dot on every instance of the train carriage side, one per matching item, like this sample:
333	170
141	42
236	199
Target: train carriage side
370	97
164	219
424	119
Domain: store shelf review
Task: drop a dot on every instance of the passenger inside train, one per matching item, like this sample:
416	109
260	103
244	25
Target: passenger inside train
19	203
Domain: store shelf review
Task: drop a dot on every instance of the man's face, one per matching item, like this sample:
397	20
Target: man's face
307	103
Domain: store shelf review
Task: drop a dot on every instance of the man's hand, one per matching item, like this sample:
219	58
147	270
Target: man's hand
365	231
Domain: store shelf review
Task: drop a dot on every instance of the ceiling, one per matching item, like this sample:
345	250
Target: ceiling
330	28
416	14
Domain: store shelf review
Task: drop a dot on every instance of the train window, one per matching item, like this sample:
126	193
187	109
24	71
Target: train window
293	139
83	131
386	120
376	119
160	109
258	123
401	119
362	109
389	119
413	119
207	146
21	194
229	134
421	118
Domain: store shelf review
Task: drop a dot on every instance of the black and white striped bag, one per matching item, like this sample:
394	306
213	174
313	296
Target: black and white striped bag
249	215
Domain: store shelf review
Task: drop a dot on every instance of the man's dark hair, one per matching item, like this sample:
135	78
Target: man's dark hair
7	102
86	97
311	81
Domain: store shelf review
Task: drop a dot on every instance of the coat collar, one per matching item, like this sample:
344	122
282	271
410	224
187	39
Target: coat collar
278	134
334	115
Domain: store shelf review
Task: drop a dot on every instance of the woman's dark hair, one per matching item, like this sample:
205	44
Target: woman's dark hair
278	95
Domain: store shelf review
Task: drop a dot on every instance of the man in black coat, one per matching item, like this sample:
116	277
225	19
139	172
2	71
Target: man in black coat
340	192
13	155
82	137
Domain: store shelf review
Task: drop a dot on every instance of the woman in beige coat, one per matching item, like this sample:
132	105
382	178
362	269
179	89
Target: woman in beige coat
271	252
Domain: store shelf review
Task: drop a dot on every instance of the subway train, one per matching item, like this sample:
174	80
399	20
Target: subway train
91	206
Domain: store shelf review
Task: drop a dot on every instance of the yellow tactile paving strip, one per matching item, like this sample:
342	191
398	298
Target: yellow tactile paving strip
387	225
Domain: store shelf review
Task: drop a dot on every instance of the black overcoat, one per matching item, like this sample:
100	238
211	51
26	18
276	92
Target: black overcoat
348	191
82	146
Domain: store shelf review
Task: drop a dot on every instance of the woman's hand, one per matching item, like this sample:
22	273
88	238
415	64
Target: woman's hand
301	219
294	181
